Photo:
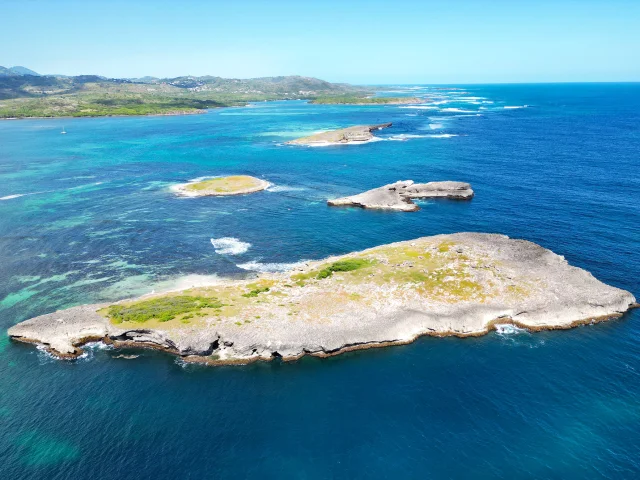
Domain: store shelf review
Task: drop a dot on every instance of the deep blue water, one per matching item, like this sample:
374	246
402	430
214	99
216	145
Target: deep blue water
98	222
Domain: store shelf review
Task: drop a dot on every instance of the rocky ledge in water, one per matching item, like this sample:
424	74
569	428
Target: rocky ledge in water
343	136
397	196
221	186
463	284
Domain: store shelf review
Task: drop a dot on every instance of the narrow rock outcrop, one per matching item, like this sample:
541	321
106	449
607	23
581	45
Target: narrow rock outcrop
447	189
397	196
357	134
463	284
388	197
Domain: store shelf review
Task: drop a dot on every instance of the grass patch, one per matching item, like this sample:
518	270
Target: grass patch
162	309
347	265
225	184
445	247
255	292
445	281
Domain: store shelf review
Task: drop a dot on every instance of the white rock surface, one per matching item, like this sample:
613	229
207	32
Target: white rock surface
398	195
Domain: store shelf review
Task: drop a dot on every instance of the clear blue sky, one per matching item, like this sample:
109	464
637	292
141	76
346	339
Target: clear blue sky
390	41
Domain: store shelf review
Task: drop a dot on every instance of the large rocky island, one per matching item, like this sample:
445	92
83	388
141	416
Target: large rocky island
221	186
463	284
398	196
358	134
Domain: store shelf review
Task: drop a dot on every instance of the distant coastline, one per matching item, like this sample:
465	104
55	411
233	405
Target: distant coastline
168	114
31	95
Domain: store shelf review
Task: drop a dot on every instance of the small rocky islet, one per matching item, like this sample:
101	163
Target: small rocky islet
358	134
461	284
221	186
398	196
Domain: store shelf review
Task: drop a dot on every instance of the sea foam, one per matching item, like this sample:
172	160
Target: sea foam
421	107
402	137
17	195
229	246
508	329
284	188
270	267
457	110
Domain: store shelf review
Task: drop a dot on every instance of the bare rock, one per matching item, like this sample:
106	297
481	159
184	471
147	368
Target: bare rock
356	134
447	189
397	196
389	197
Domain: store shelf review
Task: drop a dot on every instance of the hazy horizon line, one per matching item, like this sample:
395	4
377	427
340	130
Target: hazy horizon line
366	83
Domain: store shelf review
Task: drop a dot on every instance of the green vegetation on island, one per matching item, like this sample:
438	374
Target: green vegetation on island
163	309
347	265
220	186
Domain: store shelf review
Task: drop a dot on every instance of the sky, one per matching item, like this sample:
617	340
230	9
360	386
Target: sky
366	42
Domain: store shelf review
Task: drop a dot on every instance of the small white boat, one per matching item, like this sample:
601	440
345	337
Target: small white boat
63	132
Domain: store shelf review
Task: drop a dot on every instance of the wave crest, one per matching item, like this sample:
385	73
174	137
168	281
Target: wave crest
229	246
270	267
284	188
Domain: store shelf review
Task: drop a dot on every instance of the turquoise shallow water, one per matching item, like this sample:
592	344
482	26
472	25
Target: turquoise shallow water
95	221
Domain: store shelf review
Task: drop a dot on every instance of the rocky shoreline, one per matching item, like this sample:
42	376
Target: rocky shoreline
165	114
447	285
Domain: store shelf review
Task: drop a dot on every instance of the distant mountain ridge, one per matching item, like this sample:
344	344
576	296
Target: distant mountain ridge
17	71
17	82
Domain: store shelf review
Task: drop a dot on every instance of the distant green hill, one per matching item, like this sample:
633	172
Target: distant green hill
24	71
6	72
27	95
17	71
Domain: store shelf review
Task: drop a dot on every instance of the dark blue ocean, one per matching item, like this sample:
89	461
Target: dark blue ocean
88	216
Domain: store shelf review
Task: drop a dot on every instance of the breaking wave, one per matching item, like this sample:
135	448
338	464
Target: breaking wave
407	136
457	110
17	195
508	329
229	246
270	267
284	188
421	107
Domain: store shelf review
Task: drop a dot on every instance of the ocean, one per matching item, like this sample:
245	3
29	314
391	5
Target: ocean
89	217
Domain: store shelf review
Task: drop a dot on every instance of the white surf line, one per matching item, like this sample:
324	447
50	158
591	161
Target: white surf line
256	266
18	195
